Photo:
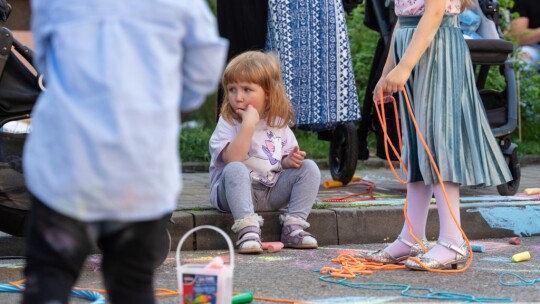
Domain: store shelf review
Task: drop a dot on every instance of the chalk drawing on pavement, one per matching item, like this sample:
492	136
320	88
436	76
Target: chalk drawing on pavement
522	220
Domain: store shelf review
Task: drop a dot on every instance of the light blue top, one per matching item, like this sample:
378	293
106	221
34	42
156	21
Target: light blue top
104	141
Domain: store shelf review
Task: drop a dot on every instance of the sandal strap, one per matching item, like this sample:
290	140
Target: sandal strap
290	228
246	230
404	241
247	239
293	236
452	247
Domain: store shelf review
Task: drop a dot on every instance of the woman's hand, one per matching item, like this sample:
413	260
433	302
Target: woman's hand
294	159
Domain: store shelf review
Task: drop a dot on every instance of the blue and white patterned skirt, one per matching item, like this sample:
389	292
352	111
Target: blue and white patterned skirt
311	40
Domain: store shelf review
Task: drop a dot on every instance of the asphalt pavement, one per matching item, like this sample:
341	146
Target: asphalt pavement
292	276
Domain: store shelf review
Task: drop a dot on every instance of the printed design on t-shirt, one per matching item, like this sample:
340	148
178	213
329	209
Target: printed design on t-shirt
272	147
265	163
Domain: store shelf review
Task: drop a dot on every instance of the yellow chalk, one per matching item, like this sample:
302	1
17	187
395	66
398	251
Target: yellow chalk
521	257
332	184
530	191
336	184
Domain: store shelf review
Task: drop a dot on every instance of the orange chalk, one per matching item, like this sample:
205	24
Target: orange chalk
515	241
272	246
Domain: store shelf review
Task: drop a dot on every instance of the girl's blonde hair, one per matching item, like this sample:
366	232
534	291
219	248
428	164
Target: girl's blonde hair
262	69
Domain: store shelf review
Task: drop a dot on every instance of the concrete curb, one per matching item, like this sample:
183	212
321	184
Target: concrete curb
339	226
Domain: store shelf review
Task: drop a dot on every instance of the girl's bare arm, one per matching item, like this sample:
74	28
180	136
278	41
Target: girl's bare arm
422	38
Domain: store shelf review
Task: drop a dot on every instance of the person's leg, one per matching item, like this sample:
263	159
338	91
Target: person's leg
56	248
418	197
131	252
234	191
235	196
297	189
449	230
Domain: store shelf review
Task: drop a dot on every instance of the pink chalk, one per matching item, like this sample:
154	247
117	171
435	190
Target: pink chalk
272	246
515	241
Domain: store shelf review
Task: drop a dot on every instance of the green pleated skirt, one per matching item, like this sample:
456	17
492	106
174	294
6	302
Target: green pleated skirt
449	113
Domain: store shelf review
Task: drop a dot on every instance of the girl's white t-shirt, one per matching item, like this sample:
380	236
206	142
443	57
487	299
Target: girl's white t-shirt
268	146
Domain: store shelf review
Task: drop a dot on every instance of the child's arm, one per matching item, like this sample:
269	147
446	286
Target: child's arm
422	38
294	159
238	148
388	66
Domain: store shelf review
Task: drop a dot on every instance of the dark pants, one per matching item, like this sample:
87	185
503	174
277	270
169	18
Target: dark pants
57	247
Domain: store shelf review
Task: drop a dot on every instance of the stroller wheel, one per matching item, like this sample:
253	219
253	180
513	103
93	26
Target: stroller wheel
512	186
343	154
165	248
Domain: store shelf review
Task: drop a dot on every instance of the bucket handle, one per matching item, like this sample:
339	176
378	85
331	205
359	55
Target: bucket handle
187	234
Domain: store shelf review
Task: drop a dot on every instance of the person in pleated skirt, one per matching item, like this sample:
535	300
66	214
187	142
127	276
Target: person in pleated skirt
430	61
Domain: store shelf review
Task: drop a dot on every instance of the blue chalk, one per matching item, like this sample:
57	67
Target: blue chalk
478	248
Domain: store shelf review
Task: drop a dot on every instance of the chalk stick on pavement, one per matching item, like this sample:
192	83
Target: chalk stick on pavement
521	257
272	246
515	240
478	248
530	191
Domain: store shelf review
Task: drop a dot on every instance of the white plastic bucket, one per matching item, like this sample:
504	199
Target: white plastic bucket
205	283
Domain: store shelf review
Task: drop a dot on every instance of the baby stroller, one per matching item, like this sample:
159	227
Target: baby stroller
501	105
19	90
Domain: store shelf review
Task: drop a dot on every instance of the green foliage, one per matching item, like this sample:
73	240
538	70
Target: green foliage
194	144
314	147
528	80
363	42
213	5
529	84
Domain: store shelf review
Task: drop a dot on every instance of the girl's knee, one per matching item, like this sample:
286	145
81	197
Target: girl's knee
235	169
310	167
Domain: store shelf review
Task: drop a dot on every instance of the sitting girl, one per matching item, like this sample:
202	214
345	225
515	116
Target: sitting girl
256	163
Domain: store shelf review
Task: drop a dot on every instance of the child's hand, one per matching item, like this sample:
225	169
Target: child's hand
294	159
249	115
377	92
395	80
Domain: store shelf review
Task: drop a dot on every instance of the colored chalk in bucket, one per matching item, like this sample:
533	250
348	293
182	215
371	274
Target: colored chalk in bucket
478	248
521	257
